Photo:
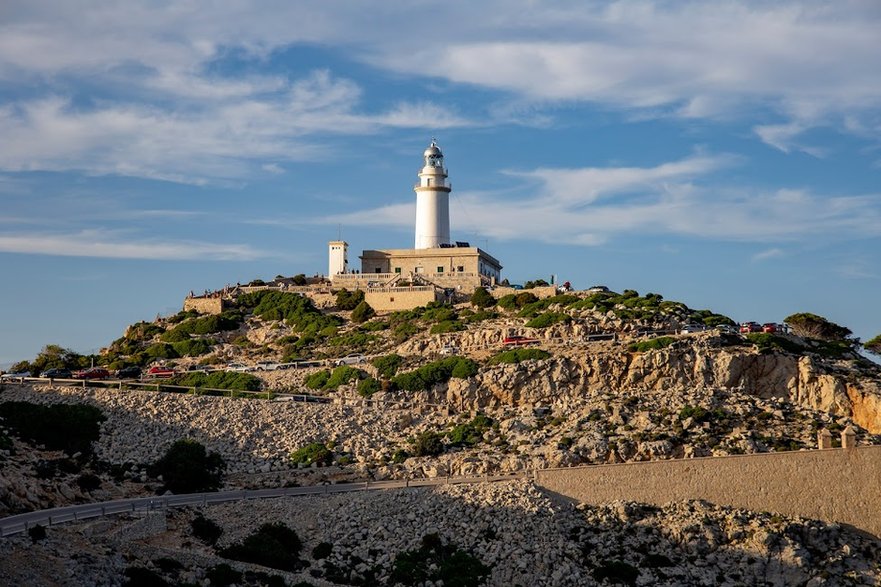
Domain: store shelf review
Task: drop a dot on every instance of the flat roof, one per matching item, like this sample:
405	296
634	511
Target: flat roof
432	252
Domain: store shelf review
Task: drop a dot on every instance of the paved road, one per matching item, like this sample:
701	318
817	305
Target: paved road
21	522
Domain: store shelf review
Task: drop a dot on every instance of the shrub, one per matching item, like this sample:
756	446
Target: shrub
403	331
481	298
438	563
206	530
812	326
387	365
428	444
349	300
318	379
537	283
548	319
71	428
223	575
220	380
518	355
447	326
322	550
375	326
37	533
470	433
273	545
314	452
874	345
299	279
161	350
427	376
362	312
368	387
399	456
651	344
88	482
192	347
343	375
766	341
186	467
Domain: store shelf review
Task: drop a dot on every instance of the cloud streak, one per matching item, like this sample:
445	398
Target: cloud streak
112	245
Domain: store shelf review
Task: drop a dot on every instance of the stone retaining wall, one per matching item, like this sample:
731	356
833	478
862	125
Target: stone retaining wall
837	485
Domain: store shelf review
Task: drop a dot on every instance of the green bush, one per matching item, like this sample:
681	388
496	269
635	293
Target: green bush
232	380
766	341
536	283
317	380
193	347
375	326
349	300
186	467
812	326
388	365
650	344
362	313
174	335
548	319
404	331
295	309
401	455
427	376
368	387
273	545
447	326
874	345
428	444
314	452
161	350
71	428
355	341
37	533
471	433
342	375
206	530
143	331
438	563
481	298
518	355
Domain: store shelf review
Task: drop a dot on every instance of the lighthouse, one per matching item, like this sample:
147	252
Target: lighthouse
432	201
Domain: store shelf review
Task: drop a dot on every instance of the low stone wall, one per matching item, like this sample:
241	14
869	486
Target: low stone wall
390	300
836	485
539	292
213	305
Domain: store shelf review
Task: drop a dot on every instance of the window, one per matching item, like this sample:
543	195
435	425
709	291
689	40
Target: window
378	270
391	299
440	269
397	269
460	268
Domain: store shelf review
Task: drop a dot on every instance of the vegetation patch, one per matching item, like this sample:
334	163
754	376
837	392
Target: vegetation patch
517	301
317	380
186	467
519	355
232	380
651	344
447	326
367	387
208	531
809	325
439	563
68	427
273	545
548	319
470	433
388	365
427	376
481	298
314	452
362	313
617	572
769	342
427	444
192	347
349	300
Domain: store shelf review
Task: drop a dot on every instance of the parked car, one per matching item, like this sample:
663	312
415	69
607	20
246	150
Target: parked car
267	366
747	327
598	289
133	372
92	373
449	349
692	328
726	329
518	340
351	359
56	374
17	375
239	367
160	372
770	327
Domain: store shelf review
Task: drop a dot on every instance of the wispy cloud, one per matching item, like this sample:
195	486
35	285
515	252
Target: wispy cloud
768	254
667	199
114	245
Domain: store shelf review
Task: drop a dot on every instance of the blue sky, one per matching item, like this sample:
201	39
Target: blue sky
722	154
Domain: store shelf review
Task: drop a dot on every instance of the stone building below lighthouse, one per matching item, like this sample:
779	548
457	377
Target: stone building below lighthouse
437	267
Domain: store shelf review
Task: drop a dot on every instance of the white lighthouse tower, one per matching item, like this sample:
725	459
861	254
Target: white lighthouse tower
432	201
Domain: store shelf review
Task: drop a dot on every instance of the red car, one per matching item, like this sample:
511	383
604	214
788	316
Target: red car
93	373
518	340
770	327
747	327
159	372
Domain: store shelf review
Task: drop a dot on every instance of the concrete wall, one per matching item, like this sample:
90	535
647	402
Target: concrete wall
837	485
390	300
214	305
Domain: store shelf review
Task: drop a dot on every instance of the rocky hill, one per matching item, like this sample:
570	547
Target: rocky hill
610	378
